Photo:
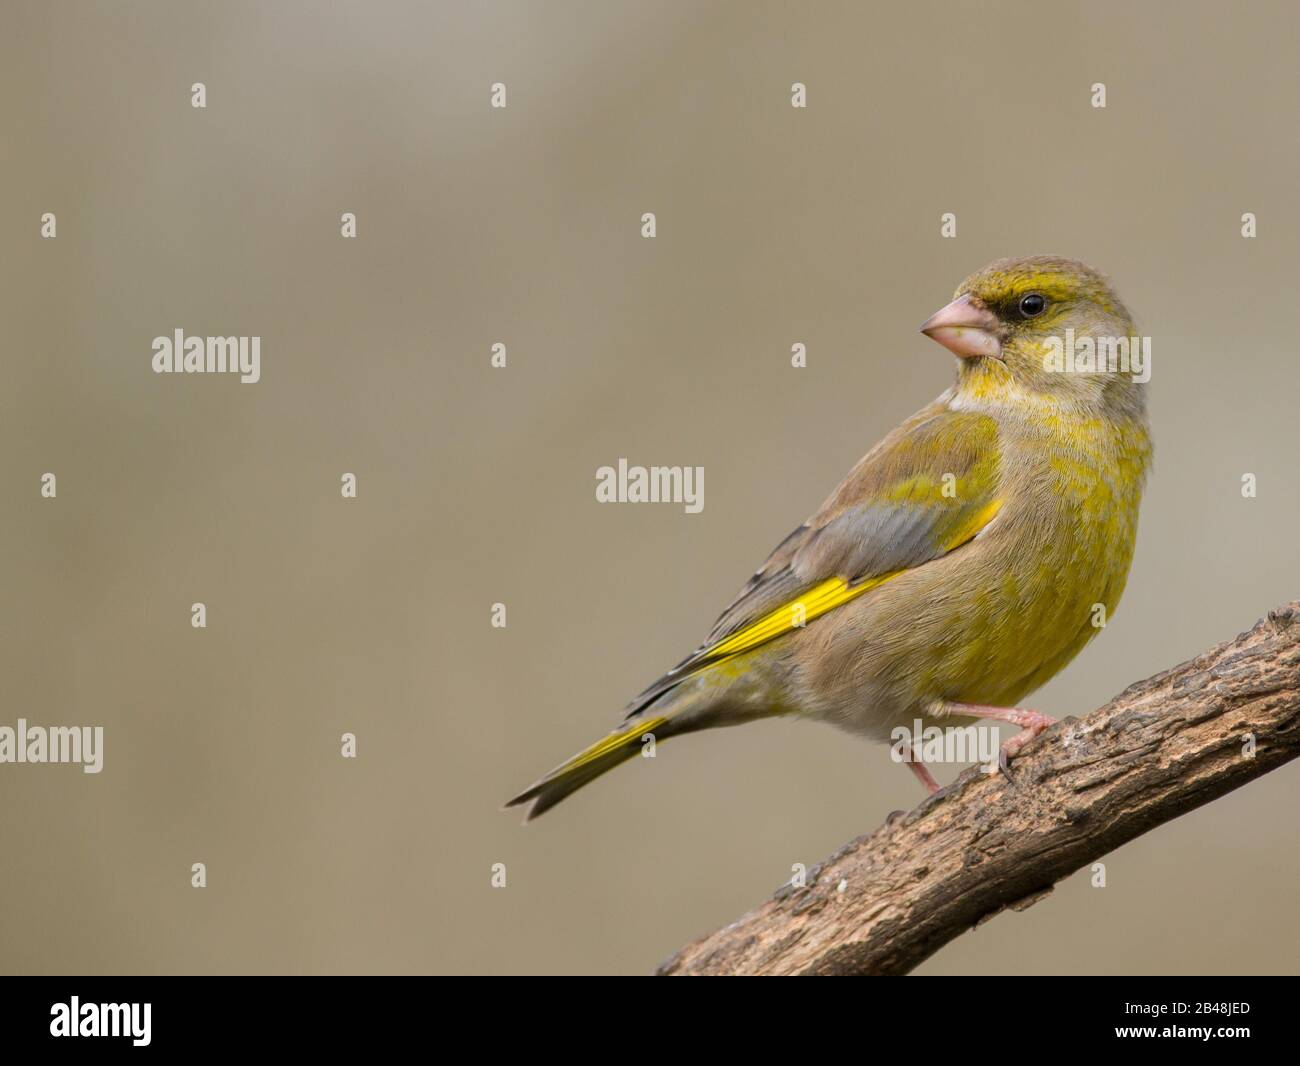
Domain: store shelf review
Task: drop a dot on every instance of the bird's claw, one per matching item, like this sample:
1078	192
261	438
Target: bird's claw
1004	765
1032	724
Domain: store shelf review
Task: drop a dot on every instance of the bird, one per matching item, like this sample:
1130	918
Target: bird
961	563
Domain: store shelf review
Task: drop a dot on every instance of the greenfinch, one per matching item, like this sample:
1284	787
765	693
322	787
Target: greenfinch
961	563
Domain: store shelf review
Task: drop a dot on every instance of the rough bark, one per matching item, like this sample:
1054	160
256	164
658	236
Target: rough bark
886	901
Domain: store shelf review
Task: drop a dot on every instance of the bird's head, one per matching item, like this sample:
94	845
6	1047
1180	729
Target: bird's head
1032	322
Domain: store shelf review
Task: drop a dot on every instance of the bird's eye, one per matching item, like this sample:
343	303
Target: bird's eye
1032	306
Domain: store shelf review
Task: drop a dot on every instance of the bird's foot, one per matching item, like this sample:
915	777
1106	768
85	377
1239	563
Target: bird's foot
1031	724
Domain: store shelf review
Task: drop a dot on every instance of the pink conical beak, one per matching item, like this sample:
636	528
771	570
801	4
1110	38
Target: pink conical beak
965	327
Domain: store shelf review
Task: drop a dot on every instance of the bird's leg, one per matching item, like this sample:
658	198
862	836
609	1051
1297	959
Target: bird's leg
919	768
1031	723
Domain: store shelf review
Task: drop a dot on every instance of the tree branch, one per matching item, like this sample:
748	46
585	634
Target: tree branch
1165	746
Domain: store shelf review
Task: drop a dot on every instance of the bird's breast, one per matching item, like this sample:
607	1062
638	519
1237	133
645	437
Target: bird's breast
1063	557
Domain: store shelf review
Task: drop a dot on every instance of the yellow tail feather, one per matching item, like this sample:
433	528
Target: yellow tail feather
586	766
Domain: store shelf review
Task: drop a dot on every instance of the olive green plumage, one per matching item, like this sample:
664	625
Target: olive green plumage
963	561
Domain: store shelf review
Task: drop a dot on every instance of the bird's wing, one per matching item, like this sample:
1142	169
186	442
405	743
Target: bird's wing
928	488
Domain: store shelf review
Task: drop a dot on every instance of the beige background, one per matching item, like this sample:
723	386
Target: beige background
775	226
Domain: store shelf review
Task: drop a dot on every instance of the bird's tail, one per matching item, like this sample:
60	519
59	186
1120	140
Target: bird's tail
590	763
706	700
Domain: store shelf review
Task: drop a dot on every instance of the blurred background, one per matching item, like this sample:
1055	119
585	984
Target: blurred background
476	485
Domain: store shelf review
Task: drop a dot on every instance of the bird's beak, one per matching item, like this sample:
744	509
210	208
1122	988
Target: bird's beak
965	327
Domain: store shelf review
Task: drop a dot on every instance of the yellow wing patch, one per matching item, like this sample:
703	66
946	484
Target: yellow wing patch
812	604
817	601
